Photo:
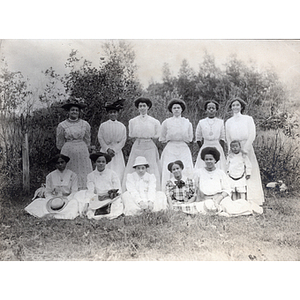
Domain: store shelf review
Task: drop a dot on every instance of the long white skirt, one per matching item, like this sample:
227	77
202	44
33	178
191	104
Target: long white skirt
221	164
172	152
80	162
148	149
132	207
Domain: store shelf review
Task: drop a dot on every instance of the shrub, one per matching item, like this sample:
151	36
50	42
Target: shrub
278	158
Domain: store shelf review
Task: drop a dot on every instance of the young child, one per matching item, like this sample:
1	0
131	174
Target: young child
238	170
141	191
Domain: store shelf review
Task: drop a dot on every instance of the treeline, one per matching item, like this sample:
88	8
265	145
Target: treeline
113	78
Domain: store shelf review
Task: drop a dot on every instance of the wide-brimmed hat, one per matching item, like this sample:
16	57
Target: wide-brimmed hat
211	101
99	201
116	105
210	150
140	161
242	102
55	158
177	162
73	101
176	101
143	100
56	204
94	156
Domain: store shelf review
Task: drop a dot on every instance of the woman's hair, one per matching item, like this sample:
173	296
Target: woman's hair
242	102
210	150
176	101
211	101
177	162
55	158
94	156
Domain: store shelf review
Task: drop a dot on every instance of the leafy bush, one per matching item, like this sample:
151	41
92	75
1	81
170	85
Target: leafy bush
278	158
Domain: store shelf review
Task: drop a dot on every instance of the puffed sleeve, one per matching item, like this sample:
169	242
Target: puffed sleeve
49	187
60	136
199	135
101	140
251	134
130	186
87	134
163	133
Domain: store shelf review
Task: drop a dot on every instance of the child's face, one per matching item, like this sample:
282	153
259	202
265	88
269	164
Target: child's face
235	148
177	171
101	163
141	170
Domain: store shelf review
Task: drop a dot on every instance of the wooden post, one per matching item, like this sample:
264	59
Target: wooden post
25	155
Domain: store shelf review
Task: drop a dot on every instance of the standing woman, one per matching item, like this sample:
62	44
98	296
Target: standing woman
144	129
73	138
210	132
176	131
112	138
242	128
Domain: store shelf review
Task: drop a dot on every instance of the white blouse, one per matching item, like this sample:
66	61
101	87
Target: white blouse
61	183
176	129
102	182
112	134
144	127
68	131
210	129
142	188
212	182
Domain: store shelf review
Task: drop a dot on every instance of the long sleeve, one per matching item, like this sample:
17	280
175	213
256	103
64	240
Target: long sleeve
131	187
74	183
115	181
152	188
60	136
251	134
163	132
248	165
157	128
87	134
190	135
222	133
91	188
101	140
49	187
199	135
119	145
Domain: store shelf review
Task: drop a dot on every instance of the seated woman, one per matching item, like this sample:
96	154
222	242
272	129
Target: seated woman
104	189
60	194
141	191
180	190
214	189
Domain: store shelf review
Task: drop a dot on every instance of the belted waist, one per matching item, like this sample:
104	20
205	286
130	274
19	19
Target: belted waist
142	140
74	141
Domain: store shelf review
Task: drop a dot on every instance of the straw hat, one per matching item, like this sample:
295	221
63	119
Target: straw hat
56	204
140	161
143	100
102	200
176	101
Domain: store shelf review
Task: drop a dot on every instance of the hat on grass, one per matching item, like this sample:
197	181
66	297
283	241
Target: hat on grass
56	204
140	161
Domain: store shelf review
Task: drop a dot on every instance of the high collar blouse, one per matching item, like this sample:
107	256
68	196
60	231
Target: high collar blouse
145	127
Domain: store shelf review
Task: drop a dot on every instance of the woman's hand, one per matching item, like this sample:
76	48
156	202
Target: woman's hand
248	177
191	200
110	152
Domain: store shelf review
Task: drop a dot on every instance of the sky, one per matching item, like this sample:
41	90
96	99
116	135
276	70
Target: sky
31	56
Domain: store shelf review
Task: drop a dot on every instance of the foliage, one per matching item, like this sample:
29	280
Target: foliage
278	159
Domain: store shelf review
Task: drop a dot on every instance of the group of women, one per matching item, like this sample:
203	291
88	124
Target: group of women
102	186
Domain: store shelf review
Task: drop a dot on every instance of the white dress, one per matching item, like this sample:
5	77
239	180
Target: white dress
176	132
212	131
99	183
57	184
112	134
144	129
73	139
142	189
242	128
210	183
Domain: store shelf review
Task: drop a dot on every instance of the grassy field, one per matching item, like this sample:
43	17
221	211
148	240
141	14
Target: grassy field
163	236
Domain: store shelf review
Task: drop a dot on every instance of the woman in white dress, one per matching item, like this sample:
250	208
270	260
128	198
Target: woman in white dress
210	132
103	190
177	132
73	138
60	193
144	129
141	191
214	190
112	138
242	128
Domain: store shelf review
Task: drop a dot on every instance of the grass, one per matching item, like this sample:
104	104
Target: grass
162	236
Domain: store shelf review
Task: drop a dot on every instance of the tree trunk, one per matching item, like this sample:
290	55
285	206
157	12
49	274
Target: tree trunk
25	161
